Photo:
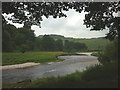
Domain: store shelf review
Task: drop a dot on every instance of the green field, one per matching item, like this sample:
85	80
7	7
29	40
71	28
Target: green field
39	57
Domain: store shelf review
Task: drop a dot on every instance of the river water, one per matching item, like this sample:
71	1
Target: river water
69	65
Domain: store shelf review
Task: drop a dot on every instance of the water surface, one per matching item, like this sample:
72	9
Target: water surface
69	65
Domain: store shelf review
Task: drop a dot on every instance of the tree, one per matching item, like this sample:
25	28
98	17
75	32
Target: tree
74	46
48	43
25	36
19	39
38	44
100	14
59	45
8	33
80	46
110	53
13	38
6	42
66	45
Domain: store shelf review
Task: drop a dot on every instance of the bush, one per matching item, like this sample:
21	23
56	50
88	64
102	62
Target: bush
110	53
111	50
103	59
95	54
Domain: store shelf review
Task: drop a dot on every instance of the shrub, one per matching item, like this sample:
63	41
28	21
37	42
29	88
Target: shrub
110	53
103	59
111	50
95	54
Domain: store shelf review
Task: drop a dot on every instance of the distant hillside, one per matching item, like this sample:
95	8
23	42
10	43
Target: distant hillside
92	44
53	36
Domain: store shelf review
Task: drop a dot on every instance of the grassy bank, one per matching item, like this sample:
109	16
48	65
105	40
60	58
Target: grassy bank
94	77
39	57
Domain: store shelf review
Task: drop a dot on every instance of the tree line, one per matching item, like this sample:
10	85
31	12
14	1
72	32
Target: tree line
23	39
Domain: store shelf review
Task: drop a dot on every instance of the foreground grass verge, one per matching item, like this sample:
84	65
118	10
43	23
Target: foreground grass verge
97	76
38	57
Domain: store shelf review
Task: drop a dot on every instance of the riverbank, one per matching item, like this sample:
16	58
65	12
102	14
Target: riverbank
86	53
78	53
24	65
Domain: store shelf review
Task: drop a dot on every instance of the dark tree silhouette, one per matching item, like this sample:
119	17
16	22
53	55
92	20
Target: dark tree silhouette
59	45
17	38
48	43
100	14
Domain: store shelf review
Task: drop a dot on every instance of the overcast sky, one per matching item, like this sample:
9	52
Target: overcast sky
72	26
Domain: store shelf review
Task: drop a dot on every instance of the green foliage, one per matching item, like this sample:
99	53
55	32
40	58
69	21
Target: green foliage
23	39
70	46
8	33
59	45
13	38
93	44
110	53
111	50
96	44
38	44
6	42
101	71
39	57
48	43
103	59
95	54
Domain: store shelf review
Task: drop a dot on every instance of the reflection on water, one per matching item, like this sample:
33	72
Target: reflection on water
69	65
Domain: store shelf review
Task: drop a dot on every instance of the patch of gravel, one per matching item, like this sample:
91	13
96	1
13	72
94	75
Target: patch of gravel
24	65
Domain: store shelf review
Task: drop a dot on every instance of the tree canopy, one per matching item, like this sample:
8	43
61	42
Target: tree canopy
100	14
17	38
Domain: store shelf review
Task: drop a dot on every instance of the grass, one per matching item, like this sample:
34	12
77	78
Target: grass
39	57
97	76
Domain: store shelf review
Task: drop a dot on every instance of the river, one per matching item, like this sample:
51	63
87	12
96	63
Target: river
69	65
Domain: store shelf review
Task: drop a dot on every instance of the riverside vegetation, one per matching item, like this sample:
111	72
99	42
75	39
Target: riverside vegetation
104	75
